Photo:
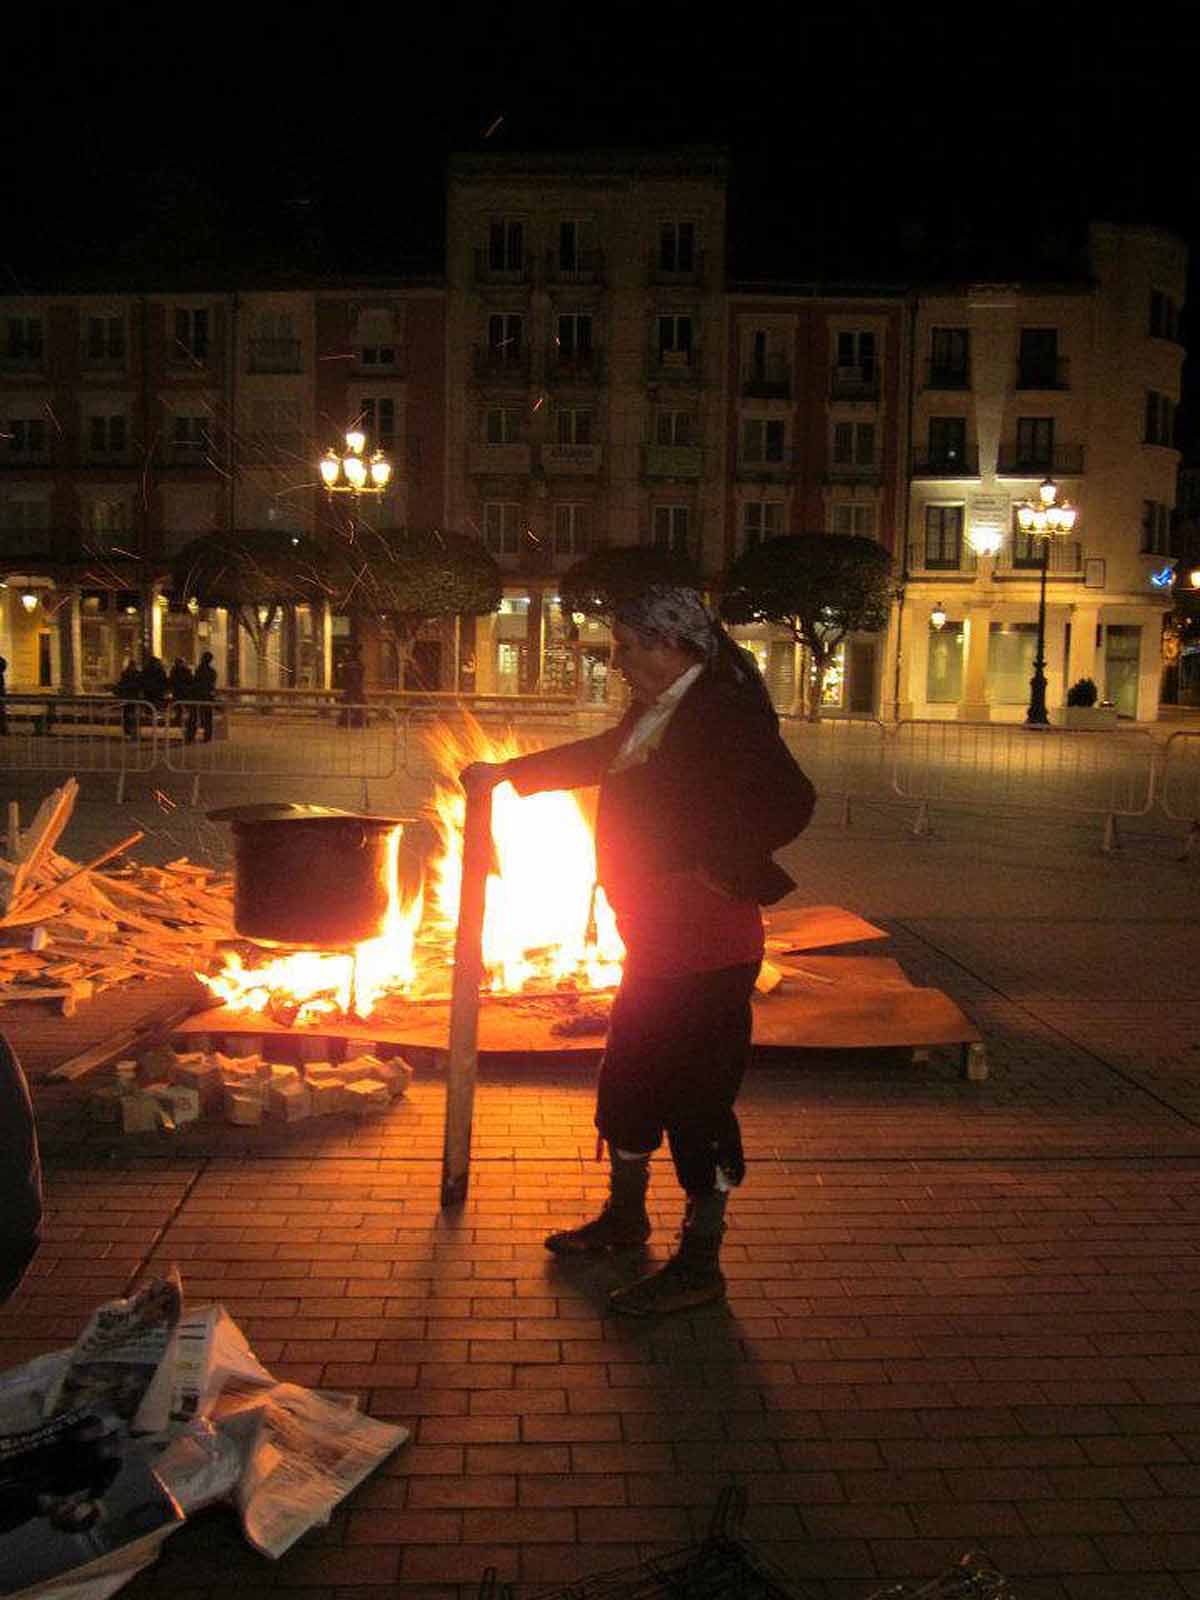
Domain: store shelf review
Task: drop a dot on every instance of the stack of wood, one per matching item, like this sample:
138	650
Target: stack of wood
69	931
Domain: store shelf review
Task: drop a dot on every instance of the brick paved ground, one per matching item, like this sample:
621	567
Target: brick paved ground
961	1316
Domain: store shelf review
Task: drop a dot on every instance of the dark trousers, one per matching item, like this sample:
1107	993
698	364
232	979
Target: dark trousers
676	1053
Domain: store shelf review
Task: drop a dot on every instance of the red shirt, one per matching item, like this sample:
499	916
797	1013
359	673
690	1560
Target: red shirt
681	925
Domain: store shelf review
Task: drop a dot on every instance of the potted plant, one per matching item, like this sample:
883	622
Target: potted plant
1081	710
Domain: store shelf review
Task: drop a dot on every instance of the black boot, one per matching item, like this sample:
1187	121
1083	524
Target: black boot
623	1223
692	1277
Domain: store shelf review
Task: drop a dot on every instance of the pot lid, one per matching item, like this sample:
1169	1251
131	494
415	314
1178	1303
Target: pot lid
291	811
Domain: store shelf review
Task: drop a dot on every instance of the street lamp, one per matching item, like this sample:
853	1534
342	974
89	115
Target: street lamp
937	617
348	472
1045	518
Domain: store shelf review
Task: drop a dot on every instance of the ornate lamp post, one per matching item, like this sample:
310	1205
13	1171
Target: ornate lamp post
349	472
1045	518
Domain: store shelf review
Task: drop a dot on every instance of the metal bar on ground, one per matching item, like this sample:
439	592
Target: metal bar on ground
463	1056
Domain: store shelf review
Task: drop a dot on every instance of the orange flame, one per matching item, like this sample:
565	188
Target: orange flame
547	925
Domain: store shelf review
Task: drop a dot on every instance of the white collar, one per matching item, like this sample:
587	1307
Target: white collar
674	692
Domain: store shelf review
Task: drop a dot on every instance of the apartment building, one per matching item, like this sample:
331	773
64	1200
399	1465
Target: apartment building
816	388
586	382
1014	383
135	423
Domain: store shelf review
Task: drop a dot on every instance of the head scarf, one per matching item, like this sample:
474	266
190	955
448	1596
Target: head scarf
674	613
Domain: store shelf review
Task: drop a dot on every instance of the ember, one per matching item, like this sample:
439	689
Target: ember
547	926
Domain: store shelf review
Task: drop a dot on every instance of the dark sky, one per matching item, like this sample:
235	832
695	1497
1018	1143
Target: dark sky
868	139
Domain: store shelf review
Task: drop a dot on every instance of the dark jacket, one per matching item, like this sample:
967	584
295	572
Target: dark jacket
720	793
20	1173
204	682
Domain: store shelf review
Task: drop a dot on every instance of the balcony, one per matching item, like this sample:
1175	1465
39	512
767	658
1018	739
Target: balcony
274	355
856	472
571	460
1065	559
15	452
767	380
854	383
488	271
501	365
18	543
500	460
693	273
1044	375
923	558
587	267
674	366
940	375
672	461
1065	460
579	366
761	469
380	361
946	463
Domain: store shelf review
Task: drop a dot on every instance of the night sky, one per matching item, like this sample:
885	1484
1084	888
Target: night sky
870	141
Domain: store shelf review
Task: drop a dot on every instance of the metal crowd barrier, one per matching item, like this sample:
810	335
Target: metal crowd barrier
846	758
82	733
1002	766
343	741
1180	785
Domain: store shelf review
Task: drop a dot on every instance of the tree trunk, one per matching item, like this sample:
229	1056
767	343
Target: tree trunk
820	662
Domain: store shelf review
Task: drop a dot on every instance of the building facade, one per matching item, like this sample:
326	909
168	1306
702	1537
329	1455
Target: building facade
1014	383
585	374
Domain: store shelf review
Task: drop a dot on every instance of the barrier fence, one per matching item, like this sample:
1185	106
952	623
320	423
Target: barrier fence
1006	766
85	733
1179	790
846	758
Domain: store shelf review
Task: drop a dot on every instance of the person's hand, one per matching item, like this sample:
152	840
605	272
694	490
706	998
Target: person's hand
481	777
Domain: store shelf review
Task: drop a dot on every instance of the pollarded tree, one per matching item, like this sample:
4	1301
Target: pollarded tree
405	578
820	586
599	582
253	573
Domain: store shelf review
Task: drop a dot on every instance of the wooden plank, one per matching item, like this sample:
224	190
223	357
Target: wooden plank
152	1030
816	928
464	999
30	910
42	835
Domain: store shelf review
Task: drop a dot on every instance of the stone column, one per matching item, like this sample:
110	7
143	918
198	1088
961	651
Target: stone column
974	705
70	642
1081	659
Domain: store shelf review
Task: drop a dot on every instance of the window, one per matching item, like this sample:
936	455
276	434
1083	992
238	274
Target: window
675	341
765	363
1038	360
377	418
671	528
25	520
506	331
944	669
1156	528
107	435
854	355
1164	316
190	436
761	519
1011	648
762	441
949	357
104	340
106	515
1027	549
191	336
854	516
26	436
375	338
506	245
1035	443
502	425
576	246
948	441
23	343
572	529
575	425
574	338
501	527
854	444
275	346
674	427
1160	418
943	537
677	247
279	419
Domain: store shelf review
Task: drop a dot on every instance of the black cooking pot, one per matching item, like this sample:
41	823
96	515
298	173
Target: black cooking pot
313	875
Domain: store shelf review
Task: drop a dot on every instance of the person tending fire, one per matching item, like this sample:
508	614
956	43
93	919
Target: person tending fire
697	790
